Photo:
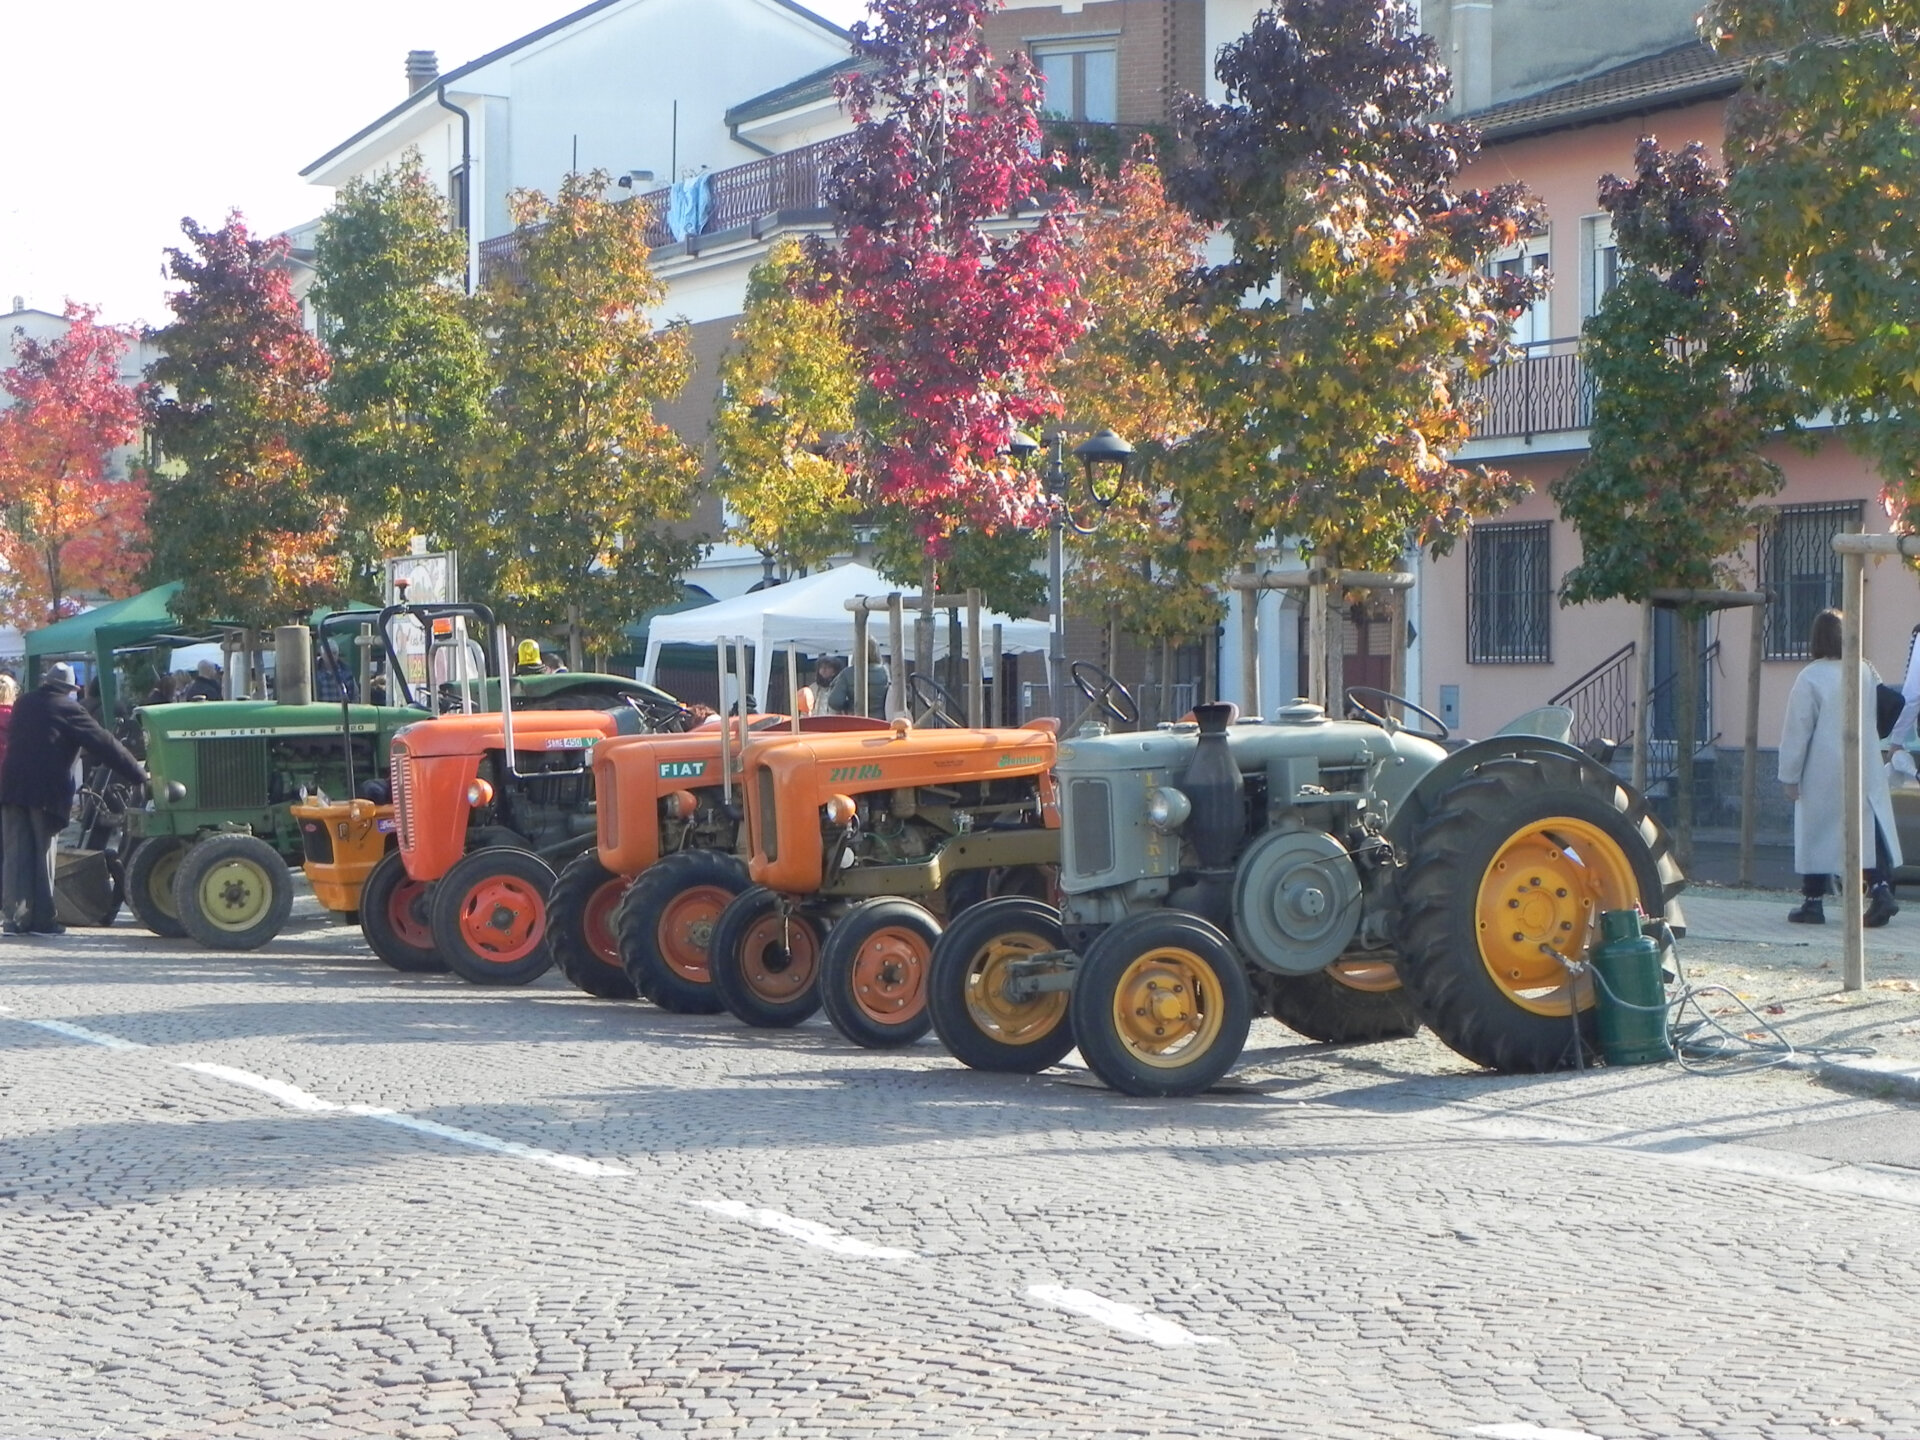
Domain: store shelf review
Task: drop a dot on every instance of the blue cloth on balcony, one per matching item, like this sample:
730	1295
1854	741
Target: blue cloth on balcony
689	205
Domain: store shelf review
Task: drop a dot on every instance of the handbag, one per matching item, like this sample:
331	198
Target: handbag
1888	702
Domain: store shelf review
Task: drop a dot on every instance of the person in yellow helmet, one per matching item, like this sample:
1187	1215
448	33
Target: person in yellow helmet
526	658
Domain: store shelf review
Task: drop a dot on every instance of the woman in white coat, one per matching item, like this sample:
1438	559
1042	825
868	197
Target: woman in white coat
1810	768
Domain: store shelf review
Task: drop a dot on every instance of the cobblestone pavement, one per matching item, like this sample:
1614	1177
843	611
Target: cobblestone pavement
293	1193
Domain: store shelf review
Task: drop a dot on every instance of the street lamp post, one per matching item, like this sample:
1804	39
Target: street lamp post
1096	453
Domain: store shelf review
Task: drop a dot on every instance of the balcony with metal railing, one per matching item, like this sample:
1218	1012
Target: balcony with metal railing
1547	390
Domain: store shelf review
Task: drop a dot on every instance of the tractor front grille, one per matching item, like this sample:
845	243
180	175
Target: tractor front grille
1090	827
769	832
316	842
401	779
233	773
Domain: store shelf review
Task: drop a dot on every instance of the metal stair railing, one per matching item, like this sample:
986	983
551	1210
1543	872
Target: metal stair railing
1602	699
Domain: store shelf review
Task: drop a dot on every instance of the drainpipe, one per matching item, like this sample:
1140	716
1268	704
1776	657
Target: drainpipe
465	218
739	139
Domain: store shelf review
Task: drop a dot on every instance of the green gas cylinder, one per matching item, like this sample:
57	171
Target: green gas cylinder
1630	1002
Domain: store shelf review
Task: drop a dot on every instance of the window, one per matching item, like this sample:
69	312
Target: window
1509	595
1082	84
1798	565
457	198
1534	324
1599	262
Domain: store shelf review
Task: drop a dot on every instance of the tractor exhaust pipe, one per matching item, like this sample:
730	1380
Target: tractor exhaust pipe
1214	785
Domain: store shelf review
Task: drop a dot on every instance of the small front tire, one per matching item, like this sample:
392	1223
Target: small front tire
666	926
490	916
397	918
150	870
233	892
873	973
580	928
1161	1005
967	989
765	961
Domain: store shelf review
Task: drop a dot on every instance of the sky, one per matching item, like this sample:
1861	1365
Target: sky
127	115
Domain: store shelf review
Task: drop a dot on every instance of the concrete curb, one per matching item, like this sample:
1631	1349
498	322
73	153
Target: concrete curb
1867	1075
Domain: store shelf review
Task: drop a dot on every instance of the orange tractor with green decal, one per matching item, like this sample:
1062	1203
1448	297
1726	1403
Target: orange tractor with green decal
857	844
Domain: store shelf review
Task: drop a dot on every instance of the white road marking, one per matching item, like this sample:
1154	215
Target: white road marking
808	1232
293	1097
1521	1431
1127	1319
80	1032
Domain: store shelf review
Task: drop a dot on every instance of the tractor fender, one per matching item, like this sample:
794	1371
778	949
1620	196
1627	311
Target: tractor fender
1408	819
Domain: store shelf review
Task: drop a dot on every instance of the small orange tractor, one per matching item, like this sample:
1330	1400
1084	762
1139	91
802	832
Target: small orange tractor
858	842
633	916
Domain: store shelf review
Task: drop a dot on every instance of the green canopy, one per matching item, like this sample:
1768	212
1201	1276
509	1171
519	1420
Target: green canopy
138	620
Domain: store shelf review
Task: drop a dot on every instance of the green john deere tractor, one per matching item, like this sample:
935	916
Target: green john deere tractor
212	846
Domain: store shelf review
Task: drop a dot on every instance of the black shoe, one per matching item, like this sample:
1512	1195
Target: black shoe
1811	912
9	928
54	929
1881	907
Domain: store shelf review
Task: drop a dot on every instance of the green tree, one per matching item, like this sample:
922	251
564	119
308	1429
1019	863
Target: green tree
235	512
1687	395
789	389
1821	150
409	381
1138	560
577	477
1339	337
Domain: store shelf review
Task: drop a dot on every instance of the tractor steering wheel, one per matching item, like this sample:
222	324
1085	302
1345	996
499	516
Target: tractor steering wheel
1439	731
1104	692
934	701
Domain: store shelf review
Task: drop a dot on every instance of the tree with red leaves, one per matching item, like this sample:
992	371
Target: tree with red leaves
72	526
958	313
236	514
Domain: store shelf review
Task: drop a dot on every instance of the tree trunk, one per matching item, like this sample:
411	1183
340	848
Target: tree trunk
576	659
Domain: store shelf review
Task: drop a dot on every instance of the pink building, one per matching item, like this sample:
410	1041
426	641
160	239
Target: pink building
1494	639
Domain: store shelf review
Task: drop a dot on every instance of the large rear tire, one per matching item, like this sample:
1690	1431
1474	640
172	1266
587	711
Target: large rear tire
873	973
397	918
490	916
580	930
233	892
966	989
1518	859
150	871
765	962
1161	1005
666	924
1354	1001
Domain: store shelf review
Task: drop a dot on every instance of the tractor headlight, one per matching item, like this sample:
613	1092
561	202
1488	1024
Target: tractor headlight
176	792
1167	808
841	809
479	793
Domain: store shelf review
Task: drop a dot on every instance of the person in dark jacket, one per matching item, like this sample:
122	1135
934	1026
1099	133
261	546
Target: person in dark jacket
49	729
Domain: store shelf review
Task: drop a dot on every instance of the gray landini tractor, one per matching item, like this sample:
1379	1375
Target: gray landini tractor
1350	877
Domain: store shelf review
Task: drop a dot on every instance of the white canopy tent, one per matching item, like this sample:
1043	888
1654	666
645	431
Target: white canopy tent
811	615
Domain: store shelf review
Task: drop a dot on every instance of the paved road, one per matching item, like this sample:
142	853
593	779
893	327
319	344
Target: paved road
293	1193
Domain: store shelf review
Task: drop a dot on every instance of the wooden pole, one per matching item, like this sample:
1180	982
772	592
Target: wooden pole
1249	649
1317	646
976	665
897	660
861	689
1750	758
1853	952
1687	729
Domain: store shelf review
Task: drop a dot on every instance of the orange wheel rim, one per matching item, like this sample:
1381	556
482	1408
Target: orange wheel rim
404	916
598	921
503	919
890	974
1374	977
780	958
686	930
1541	898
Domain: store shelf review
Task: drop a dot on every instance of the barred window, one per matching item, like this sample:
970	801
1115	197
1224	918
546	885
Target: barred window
1509	595
1798	565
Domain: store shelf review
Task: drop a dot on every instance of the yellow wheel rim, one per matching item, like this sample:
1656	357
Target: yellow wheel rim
1375	977
1011	1022
1543	893
234	894
1167	1008
160	881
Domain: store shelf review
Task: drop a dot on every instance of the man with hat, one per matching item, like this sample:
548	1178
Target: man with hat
50	728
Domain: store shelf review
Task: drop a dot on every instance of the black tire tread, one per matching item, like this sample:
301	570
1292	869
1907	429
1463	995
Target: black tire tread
381	938
947	981
141	899
729	983
573	954
639	919
1319	1007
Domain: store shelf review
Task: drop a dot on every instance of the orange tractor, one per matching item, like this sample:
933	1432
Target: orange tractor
858	842
633	916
